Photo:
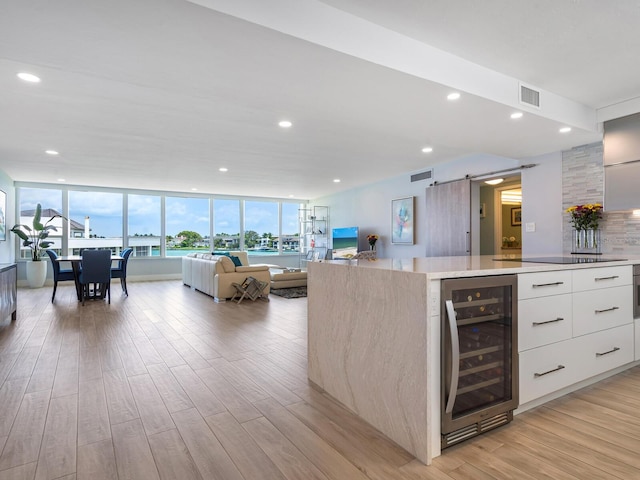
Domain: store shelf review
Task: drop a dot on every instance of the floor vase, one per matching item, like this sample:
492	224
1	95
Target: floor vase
36	273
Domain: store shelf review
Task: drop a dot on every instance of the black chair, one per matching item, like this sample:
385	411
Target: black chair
59	274
121	270
96	271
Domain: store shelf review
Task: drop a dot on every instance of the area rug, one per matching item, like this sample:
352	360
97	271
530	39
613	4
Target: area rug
294	292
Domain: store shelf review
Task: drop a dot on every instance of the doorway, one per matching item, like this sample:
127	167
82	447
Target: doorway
501	217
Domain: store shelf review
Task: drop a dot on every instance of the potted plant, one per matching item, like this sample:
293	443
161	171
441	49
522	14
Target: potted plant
35	237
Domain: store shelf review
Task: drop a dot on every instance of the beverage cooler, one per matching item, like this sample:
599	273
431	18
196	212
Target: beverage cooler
479	355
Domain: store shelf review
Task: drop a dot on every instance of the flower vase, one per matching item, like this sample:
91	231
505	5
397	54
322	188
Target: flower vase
372	247
586	241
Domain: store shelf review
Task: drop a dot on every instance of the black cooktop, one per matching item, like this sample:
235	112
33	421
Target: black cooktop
561	260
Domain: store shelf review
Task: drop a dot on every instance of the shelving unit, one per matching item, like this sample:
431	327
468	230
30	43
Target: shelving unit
314	234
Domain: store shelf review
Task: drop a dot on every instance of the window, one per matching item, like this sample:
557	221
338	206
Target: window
51	202
95	221
260	227
289	236
226	214
187	225
144	225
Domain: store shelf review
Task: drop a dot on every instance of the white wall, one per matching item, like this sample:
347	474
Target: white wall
7	249
369	207
542	205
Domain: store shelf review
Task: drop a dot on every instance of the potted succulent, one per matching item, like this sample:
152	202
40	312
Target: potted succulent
35	237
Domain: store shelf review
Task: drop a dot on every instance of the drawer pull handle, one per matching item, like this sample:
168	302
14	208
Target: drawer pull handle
559	319
536	375
536	285
614	349
608	310
607	278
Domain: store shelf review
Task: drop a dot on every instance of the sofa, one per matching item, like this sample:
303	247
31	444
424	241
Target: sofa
215	274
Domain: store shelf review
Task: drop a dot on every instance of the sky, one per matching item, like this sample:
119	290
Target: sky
182	213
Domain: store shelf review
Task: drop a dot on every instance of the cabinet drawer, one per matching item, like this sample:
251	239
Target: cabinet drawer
542	284
604	351
601	309
544	320
547	369
596	278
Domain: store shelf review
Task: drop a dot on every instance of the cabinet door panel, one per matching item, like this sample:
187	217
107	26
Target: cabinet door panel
544	320
603	351
547	369
598	278
542	284
598	310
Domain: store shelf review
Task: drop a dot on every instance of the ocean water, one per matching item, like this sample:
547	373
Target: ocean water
183	252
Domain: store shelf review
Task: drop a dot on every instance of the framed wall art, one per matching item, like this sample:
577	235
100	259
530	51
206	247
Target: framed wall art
3	216
402	221
516	216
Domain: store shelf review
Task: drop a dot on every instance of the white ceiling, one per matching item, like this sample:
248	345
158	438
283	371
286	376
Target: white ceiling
158	94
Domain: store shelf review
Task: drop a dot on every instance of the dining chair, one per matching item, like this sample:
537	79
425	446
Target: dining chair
96	270
121	270
59	274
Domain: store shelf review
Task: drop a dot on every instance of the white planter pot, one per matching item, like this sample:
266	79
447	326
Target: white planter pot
36	273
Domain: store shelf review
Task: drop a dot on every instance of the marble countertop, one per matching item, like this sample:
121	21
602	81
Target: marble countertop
479	265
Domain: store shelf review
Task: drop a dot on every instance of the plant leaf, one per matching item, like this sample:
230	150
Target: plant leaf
19	233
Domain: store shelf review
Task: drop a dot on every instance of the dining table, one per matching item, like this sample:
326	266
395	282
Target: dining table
76	264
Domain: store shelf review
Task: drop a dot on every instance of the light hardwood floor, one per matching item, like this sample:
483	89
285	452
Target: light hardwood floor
168	384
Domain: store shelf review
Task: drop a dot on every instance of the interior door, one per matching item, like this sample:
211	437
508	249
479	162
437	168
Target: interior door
448	219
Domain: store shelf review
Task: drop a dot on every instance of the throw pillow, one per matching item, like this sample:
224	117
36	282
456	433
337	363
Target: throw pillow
227	264
236	260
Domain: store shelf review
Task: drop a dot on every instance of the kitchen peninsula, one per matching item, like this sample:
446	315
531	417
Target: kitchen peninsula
374	334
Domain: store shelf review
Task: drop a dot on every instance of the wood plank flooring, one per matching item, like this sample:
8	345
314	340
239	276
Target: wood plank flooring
167	384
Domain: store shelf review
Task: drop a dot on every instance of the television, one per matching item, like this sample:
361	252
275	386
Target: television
345	242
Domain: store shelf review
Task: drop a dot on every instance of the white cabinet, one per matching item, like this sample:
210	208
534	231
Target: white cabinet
546	369
597	278
605	350
544	320
637	339
542	284
602	309
572	325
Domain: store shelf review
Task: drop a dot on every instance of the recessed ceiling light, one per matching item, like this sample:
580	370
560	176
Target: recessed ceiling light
516	115
28	77
336	180
565	130
495	181
51	152
427	150
61	179
453	96
223	169
290	196
285	124
194	189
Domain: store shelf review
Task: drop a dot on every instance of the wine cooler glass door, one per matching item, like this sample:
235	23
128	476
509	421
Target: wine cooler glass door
479	349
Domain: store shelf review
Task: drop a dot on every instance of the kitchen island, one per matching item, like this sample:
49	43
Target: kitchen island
374	335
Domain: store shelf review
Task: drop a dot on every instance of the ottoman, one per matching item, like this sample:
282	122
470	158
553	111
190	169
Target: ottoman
287	278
